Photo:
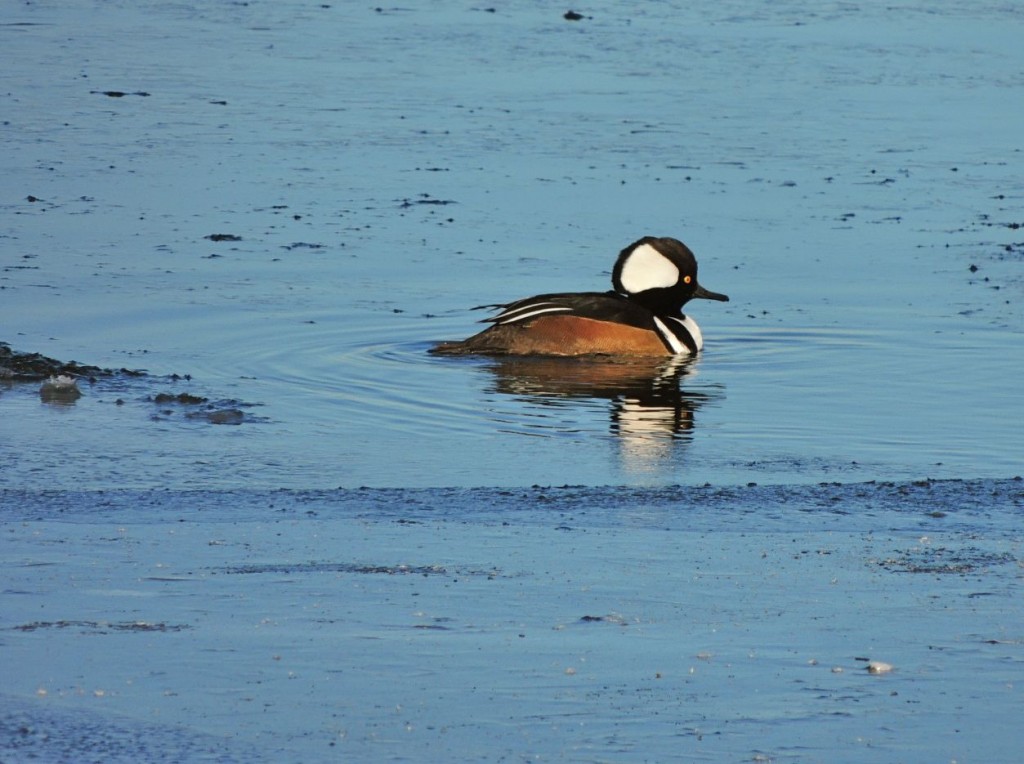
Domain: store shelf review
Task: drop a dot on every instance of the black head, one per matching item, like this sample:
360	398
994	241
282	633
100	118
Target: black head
660	274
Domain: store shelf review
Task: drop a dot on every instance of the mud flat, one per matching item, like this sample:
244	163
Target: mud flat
545	624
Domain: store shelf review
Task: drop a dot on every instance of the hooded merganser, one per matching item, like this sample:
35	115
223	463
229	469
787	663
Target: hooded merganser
652	279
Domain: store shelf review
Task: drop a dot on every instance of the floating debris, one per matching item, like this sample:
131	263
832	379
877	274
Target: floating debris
879	667
426	200
610	618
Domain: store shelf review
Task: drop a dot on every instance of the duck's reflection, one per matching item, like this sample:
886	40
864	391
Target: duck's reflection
649	410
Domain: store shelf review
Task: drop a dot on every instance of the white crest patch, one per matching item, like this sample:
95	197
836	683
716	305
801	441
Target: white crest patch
646	268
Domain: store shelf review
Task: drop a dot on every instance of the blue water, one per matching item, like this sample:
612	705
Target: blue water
837	172
849	173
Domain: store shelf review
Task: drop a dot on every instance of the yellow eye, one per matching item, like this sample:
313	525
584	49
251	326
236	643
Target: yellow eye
687	279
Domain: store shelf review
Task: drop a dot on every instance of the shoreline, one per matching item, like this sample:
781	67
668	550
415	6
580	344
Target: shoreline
548	623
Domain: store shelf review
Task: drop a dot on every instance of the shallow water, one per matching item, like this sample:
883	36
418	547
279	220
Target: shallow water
286	204
825	167
546	624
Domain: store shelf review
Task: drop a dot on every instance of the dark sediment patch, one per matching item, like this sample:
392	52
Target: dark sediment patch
185	399
34	367
948	504
120	93
16	366
196	407
38	732
945	560
101	627
361	569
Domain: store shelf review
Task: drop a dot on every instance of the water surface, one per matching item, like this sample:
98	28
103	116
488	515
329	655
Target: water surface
387	169
280	207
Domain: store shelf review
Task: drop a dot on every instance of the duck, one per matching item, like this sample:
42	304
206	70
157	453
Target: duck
653	278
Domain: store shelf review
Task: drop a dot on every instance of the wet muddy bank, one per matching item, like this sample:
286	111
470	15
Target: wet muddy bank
679	506
63	383
879	620
21	366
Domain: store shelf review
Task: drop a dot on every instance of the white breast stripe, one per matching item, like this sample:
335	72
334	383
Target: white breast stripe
536	309
669	336
693	329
